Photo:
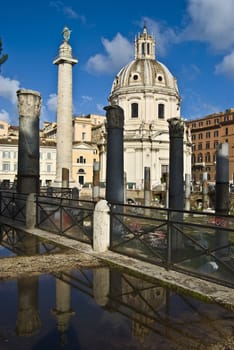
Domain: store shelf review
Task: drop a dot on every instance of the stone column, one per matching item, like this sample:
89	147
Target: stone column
65	177
205	198
147	187
96	181
29	105
176	183
115	157
222	194
65	62
187	191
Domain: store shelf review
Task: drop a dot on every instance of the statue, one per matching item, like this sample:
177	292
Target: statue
66	33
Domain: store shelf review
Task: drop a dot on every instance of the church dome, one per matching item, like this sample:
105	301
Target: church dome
144	75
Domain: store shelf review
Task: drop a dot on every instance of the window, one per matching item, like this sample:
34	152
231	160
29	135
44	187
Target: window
83	135
226	131
216	133
207	145
193	158
208	135
161	111
134	110
193	147
208	122
193	137
200	136
6	167
200	146
216	121
200	158
15	166
81	160
49	168
5	154
200	123
216	143
207	157
48	155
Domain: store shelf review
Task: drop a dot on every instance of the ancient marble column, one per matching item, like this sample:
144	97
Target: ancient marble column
222	194
115	156
65	62
176	182
29	105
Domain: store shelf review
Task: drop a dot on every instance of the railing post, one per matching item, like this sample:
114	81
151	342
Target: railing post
30	211
101	227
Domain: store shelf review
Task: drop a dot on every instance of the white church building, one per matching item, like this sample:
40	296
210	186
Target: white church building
148	93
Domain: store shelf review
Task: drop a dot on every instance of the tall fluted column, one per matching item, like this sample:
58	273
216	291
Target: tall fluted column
64	61
29	105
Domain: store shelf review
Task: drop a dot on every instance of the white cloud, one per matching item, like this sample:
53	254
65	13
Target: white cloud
226	67
119	51
211	21
8	88
4	116
51	102
100	108
86	98
68	11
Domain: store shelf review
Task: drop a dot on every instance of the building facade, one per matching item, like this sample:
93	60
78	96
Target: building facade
149	96
207	133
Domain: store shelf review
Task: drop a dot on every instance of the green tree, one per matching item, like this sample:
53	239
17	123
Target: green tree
4	57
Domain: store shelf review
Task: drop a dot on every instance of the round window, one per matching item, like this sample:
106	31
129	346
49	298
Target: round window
135	77
160	78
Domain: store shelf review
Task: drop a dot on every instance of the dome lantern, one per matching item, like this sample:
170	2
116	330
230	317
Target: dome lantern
145	46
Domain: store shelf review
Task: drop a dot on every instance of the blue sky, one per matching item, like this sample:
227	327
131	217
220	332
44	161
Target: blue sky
194	39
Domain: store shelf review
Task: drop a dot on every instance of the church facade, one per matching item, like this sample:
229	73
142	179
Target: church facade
149	96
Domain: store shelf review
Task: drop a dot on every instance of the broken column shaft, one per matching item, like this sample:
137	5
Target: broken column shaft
29	104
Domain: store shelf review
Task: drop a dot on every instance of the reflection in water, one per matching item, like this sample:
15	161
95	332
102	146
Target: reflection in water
106	309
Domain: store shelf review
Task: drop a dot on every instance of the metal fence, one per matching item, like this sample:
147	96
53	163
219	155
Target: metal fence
67	217
195	243
13	206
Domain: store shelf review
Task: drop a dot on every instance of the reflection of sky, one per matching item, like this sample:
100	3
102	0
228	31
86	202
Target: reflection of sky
93	327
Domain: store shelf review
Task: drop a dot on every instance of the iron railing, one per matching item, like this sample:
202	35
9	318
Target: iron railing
67	217
13	206
196	243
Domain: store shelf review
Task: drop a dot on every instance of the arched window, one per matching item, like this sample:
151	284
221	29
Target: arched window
161	111
81	160
134	110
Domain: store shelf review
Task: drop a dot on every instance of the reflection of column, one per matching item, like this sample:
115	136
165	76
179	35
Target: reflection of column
101	285
29	104
144	298
63	311
28	320
176	170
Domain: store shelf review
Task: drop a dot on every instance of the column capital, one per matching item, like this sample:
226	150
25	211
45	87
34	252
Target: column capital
114	116
29	103
176	127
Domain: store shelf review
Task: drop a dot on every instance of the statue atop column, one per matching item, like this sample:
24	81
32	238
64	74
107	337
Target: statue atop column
66	34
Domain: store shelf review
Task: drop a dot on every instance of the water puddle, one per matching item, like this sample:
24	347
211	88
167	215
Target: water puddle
106	309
